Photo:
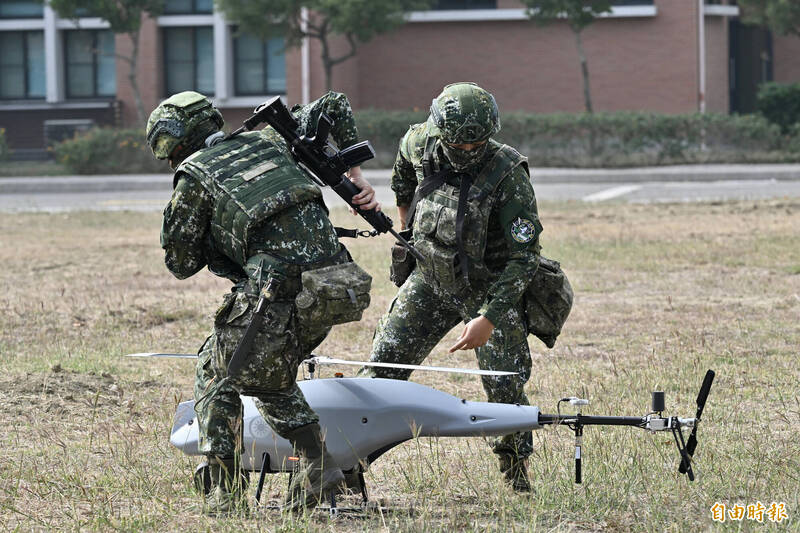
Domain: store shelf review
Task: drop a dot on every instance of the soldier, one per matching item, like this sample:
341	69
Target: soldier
243	207
471	205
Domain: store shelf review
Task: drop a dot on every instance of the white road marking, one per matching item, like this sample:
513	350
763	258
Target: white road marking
613	192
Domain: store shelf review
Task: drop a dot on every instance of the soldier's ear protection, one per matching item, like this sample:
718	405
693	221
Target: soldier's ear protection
170	126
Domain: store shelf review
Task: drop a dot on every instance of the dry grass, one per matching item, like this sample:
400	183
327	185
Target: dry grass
662	293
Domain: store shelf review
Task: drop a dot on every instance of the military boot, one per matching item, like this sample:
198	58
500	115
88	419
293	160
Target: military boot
226	495
318	472
515	472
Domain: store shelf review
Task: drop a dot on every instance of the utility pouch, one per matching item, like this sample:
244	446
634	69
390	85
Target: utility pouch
333	295
547	301
403	262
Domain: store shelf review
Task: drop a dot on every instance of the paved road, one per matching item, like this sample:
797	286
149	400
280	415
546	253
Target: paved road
659	184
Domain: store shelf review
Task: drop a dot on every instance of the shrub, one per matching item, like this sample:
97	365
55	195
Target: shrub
108	151
780	104
384	129
3	145
607	139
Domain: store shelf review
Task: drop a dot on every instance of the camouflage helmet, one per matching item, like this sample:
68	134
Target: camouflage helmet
465	114
182	122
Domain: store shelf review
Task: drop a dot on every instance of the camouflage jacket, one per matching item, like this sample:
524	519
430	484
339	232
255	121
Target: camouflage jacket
301	233
512	255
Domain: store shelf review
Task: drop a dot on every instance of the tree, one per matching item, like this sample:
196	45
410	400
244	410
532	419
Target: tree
578	14
780	16
357	20
123	17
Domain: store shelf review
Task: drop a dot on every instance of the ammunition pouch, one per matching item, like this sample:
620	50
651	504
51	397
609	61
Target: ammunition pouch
333	295
403	262
547	301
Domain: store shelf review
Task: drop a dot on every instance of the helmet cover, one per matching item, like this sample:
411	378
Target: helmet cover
182	121
465	114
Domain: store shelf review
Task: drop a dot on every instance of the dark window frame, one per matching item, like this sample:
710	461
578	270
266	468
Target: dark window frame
193	60
265	75
95	59
449	5
26	17
26	81
193	11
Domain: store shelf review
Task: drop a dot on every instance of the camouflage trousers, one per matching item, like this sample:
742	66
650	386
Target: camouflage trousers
420	316
270	375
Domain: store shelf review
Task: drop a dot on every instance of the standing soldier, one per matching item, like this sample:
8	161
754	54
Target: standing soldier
470	203
243	207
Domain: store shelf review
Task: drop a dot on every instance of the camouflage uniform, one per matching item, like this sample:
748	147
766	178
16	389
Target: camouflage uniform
295	235
500	241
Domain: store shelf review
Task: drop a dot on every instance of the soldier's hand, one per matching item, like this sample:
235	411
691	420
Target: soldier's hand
476	333
366	198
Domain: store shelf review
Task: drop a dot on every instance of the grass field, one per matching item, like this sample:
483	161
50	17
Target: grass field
662	293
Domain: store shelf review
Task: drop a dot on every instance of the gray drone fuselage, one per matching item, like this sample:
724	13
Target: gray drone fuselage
362	418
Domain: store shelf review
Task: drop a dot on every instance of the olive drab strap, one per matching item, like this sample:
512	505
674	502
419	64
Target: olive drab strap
427	157
432	180
463	192
427	187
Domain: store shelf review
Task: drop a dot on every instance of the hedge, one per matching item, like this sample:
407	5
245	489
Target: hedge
566	140
780	104
612	139
108	151
3	145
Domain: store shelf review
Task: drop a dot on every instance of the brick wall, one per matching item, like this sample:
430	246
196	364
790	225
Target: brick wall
25	127
634	63
785	52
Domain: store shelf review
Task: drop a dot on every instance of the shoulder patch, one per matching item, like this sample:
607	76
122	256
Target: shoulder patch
523	230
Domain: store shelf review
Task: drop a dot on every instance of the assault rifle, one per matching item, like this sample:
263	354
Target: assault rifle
322	160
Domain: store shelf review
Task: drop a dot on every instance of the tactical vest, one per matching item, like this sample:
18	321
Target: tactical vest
250	179
437	234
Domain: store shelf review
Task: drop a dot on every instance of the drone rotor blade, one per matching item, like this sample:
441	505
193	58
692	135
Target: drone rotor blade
320	360
169	355
691	443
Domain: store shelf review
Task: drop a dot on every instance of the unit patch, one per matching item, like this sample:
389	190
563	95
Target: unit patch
523	230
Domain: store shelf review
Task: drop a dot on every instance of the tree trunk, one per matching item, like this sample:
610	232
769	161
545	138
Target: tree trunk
587	94
133	62
327	61
328	66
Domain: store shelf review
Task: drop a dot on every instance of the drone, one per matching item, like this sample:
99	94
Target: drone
363	418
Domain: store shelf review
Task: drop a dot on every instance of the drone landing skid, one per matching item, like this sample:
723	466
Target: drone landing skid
354	478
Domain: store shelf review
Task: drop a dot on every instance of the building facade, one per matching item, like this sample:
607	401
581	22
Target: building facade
57	75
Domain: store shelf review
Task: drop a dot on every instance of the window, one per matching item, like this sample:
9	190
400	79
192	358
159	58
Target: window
188	7
465	4
260	66
90	67
189	59
20	9
22	65
632	2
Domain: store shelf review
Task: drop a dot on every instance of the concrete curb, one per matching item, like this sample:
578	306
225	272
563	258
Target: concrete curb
381	177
